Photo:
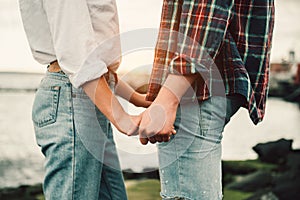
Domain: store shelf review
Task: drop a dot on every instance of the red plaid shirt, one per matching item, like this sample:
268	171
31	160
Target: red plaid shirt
227	41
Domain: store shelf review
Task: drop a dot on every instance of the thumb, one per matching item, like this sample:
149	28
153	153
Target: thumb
144	140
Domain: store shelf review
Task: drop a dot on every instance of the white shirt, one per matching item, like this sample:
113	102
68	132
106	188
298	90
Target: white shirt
83	35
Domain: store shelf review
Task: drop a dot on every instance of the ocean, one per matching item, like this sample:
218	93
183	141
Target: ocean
21	161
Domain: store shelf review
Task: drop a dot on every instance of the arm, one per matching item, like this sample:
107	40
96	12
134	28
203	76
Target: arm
157	121
125	91
100	93
195	50
85	55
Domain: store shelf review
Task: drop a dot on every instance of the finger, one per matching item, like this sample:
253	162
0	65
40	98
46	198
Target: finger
166	138
133	131
143	140
135	122
152	139
158	138
173	132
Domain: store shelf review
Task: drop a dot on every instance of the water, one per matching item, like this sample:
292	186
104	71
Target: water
22	163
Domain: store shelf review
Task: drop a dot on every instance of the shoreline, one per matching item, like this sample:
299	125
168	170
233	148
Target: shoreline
275	175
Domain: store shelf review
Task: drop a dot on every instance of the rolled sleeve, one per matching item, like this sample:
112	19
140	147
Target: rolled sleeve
83	53
202	29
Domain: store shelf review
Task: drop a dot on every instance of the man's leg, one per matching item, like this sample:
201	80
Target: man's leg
190	164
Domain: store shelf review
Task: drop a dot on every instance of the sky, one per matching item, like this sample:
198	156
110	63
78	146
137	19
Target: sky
134	14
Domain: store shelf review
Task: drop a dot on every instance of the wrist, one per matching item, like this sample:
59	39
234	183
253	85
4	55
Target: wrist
166	96
120	120
133	97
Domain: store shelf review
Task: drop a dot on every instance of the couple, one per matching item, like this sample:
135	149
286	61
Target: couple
211	58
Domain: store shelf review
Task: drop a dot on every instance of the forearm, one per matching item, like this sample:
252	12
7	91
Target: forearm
175	87
101	95
125	91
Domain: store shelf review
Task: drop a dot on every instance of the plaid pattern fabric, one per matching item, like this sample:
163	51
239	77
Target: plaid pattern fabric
227	41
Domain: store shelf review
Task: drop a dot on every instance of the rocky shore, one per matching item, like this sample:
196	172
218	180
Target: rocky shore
275	175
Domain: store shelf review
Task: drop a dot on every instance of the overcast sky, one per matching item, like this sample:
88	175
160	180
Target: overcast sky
134	14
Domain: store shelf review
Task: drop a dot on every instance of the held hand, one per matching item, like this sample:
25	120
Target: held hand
128	124
157	121
139	100
125	91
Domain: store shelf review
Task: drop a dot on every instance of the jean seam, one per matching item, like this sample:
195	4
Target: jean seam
73	144
106	182
219	194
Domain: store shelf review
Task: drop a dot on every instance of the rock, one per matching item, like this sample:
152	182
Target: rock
252	182
293	161
24	192
287	190
148	173
274	152
263	195
237	168
287	184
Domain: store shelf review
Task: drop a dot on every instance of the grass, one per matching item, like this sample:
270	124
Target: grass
250	165
144	189
235	195
149	190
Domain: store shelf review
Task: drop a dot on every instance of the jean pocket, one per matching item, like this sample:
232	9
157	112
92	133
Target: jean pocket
45	106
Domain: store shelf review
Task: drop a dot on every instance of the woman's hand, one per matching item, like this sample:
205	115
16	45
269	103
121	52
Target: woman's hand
139	100
128	124
125	91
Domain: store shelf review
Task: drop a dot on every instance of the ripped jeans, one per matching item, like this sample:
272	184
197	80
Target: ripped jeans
190	164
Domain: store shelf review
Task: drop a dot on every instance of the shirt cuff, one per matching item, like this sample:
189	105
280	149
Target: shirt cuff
88	73
182	64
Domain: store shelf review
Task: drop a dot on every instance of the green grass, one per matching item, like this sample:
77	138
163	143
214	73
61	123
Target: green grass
235	195
149	190
145	189
250	164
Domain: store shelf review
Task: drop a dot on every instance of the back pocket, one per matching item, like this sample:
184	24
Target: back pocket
45	106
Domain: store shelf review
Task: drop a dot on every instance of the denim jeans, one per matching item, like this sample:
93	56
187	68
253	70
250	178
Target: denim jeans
190	164
76	139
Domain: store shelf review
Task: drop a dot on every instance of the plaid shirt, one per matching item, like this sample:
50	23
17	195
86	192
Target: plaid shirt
227	41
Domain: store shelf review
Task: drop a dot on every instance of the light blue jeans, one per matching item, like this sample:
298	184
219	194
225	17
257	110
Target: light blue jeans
81	161
190	164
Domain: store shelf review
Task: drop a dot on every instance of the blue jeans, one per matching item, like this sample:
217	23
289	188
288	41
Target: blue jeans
190	164
81	161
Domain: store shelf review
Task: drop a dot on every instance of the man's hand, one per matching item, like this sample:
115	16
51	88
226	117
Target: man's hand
157	124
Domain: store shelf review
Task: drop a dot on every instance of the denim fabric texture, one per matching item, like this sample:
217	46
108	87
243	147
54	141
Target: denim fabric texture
190	164
76	139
